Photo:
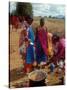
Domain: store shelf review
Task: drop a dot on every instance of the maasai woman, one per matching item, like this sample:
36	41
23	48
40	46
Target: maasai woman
58	48
30	46
22	43
22	39
41	43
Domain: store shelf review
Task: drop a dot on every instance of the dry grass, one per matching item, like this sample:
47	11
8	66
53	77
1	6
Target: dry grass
53	25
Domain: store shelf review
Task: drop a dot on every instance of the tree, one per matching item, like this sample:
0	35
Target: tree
24	9
50	16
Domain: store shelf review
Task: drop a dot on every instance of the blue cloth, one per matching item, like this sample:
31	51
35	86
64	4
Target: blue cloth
30	49
30	54
52	66
40	55
31	34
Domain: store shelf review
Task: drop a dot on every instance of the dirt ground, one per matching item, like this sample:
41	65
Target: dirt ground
17	78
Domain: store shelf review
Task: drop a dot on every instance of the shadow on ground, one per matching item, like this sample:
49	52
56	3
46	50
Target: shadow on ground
16	74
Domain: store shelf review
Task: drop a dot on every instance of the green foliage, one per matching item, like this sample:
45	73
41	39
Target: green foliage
24	9
49	16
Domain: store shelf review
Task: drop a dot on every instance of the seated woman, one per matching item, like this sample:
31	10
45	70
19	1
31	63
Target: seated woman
41	43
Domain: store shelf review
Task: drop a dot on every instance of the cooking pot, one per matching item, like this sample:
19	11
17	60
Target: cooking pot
37	78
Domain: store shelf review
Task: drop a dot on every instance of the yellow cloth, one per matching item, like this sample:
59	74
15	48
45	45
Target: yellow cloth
50	47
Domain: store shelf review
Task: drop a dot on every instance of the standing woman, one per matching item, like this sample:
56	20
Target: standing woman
22	40
30	45
41	43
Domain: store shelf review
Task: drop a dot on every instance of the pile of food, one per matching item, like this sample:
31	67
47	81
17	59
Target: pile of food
37	75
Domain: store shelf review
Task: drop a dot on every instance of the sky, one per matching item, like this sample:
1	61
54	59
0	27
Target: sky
43	9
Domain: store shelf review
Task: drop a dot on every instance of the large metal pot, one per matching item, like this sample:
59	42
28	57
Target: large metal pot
35	79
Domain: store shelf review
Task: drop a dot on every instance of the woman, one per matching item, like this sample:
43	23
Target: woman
58	48
41	43
30	46
22	39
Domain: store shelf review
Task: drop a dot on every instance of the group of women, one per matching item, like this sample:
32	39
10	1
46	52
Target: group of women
41	47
